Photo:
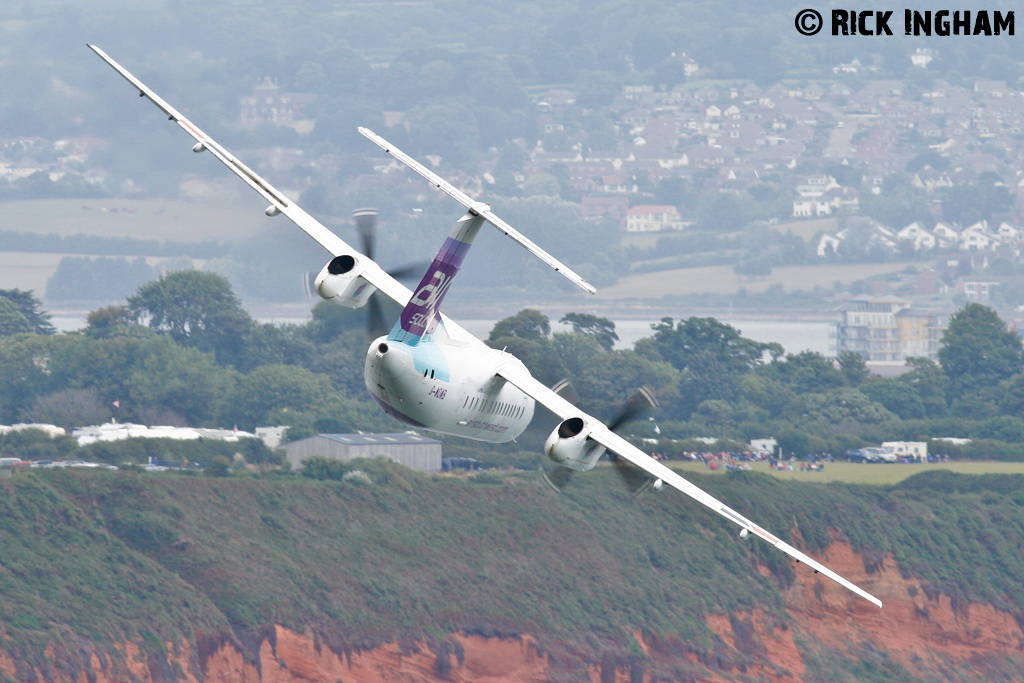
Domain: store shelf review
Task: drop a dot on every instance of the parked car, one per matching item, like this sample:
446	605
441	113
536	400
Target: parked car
871	454
855	455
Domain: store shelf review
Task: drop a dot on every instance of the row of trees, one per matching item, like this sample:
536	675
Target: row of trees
711	381
182	350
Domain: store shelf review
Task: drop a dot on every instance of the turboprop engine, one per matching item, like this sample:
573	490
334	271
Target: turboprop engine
341	281
570	446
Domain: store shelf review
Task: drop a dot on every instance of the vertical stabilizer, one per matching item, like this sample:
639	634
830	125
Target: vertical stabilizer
420	317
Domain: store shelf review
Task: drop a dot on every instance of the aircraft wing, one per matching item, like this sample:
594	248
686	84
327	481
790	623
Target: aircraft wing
616	444
480	209
375	275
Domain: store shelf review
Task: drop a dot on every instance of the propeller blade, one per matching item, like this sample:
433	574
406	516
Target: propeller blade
366	224
565	389
558	478
641	400
375	322
412	270
635	480
309	284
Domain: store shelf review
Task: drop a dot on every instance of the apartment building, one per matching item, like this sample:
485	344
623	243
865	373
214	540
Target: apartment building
889	329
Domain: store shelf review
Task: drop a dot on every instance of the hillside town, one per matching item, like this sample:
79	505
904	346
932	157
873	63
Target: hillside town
922	169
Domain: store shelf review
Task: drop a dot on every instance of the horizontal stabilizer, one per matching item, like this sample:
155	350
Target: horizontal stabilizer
480	209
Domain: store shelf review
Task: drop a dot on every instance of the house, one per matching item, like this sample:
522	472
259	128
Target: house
407	448
979	288
816	185
922	57
653	218
976	237
807	208
946	235
829	243
600	208
918	236
268	104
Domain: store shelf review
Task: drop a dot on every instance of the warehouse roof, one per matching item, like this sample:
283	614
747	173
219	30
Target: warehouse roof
403	438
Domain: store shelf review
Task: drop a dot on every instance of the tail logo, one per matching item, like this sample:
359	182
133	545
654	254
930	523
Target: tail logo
420	315
430	294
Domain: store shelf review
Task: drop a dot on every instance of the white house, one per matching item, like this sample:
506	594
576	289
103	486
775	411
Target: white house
946	234
653	218
921	238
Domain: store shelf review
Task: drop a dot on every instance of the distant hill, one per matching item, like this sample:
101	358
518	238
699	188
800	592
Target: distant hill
124	576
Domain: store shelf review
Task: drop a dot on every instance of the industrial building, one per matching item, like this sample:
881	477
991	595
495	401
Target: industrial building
408	448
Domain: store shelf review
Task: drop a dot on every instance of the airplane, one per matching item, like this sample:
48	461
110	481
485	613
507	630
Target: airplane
432	374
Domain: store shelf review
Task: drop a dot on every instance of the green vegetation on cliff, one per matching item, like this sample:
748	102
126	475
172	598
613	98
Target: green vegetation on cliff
392	554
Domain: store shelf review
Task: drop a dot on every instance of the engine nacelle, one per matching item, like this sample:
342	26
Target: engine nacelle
342	281
570	446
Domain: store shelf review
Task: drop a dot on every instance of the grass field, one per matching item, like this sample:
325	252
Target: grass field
684	281
229	219
861	473
806	230
28	271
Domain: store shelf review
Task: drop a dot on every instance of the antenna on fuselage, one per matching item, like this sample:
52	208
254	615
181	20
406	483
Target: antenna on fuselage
480	209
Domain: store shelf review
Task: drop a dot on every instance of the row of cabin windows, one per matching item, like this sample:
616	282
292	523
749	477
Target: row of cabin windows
494	407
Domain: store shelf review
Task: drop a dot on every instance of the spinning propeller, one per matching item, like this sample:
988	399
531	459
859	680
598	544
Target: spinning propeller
366	226
636	481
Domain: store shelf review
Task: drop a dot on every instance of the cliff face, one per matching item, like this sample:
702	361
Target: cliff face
117	577
916	635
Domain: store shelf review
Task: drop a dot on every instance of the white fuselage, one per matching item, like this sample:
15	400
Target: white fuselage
448	387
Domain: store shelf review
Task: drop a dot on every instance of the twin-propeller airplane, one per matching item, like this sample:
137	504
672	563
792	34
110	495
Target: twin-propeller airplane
431	373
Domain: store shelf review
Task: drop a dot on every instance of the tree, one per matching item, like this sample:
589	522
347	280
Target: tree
806	372
602	329
609	379
577	351
930	383
526	336
276	394
25	371
69	408
978	351
897	397
711	356
186	381
965	204
196	309
11	320
30	307
844	410
528	323
852	367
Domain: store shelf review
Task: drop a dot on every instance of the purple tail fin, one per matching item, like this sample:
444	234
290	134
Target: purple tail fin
420	317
